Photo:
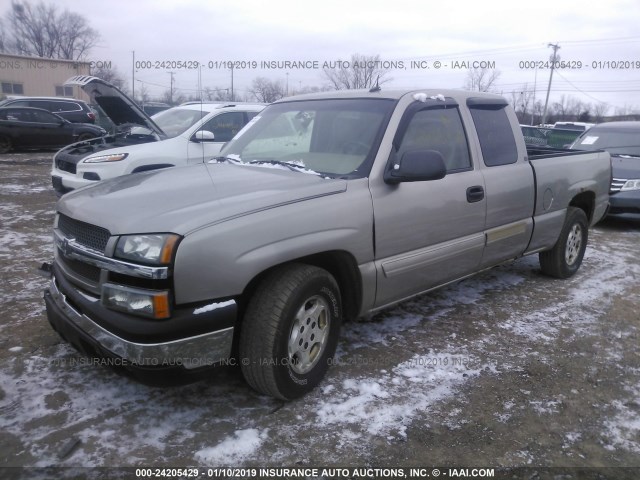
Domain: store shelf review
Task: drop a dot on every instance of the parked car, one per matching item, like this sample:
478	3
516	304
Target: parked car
326	207
578	126
555	137
35	128
622	141
174	137
151	108
76	111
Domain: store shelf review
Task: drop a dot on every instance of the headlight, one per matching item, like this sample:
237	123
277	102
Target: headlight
630	185
138	301
156	249
115	157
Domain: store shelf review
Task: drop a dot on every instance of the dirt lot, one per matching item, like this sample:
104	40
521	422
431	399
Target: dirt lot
509	368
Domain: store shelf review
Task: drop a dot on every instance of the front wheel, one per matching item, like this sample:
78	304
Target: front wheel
564	259
5	144
290	331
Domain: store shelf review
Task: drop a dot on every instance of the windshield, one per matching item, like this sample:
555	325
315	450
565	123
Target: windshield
615	141
174	121
331	137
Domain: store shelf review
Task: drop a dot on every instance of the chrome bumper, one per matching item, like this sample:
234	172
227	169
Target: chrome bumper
190	353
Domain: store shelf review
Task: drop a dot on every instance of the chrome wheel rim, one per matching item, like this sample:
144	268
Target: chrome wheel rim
574	244
309	335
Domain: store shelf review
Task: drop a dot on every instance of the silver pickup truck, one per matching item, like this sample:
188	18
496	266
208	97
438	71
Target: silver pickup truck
323	208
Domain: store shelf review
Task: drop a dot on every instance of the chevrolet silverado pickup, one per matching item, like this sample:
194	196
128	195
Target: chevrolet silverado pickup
324	208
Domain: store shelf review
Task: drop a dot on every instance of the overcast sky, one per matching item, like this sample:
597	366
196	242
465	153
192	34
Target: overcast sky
400	31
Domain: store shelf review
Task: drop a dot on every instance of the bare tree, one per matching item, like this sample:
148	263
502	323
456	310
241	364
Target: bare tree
75	36
216	94
3	37
173	97
569	108
142	94
111	75
361	71
267	91
599	111
481	79
311	89
41	30
522	102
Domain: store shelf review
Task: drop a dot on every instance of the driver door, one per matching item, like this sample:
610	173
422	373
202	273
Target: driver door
428	233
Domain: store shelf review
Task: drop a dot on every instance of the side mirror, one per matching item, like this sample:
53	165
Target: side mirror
203	136
417	166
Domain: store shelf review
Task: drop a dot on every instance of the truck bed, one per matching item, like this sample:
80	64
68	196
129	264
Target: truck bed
556	189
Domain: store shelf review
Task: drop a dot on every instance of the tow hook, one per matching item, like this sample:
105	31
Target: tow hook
45	270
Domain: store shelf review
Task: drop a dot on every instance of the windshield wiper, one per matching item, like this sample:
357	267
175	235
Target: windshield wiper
221	159
291	166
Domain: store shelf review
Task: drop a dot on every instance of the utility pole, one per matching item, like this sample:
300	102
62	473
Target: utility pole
535	83
133	75
554	57
171	87
232	82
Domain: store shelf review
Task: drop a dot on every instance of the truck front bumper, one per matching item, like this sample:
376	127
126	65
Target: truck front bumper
177	361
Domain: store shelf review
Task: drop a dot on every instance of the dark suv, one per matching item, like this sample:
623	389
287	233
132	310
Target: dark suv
622	141
75	111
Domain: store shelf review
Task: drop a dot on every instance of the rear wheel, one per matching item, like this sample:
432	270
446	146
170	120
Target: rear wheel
5	144
290	331
565	258
85	136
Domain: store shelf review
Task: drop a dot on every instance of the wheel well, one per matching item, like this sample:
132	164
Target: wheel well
340	264
586	201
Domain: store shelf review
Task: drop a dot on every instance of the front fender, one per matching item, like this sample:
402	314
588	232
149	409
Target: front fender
219	261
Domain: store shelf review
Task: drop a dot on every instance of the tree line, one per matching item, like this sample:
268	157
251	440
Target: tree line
43	30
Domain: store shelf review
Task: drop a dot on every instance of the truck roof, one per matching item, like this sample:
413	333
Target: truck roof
458	95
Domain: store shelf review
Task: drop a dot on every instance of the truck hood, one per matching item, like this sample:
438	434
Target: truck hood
181	200
120	108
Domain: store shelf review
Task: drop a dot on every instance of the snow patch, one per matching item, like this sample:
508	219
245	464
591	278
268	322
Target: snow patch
213	306
233	450
423	97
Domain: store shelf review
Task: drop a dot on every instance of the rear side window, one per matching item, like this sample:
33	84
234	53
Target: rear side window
40	104
20	103
495	134
65	107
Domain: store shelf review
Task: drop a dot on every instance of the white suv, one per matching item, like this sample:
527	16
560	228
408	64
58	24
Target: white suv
182	135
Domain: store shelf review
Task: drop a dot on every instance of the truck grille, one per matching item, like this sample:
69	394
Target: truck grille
85	234
616	184
66	166
83	270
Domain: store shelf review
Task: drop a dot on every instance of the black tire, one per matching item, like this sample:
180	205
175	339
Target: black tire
290	331
5	144
565	258
85	136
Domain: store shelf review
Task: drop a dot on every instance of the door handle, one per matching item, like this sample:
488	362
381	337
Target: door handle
475	193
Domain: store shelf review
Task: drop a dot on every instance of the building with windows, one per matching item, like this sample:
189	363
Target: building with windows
40	77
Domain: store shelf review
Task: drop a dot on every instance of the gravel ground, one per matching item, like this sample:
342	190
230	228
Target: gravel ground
506	369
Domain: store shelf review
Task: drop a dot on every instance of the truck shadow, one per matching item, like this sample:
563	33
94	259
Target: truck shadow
623	222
